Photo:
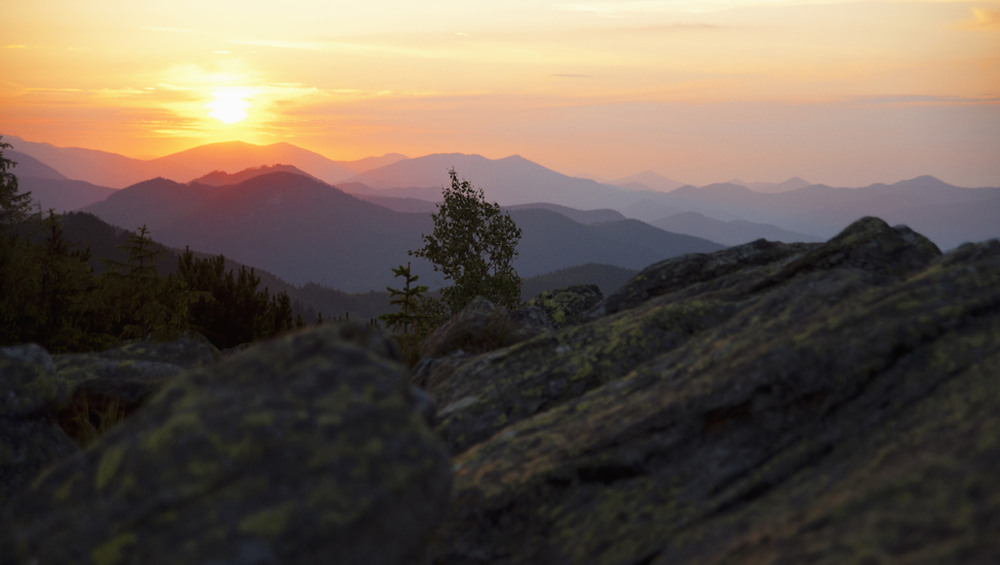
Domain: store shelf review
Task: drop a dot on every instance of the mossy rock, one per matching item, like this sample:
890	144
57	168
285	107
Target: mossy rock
310	448
30	441
841	409
566	306
28	384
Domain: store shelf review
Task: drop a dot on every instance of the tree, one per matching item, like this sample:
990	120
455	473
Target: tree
228	308
149	305
407	320
473	244
15	207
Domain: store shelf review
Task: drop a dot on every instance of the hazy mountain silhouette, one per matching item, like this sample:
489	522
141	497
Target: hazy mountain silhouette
947	214
581	216
116	171
508	181
222	178
733	232
28	166
648	180
308	231
62	195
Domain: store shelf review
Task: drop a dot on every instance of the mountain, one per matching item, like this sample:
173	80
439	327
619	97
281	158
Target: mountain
793	183
582	216
62	195
947	214
222	178
28	166
507	181
551	241
49	188
116	171
368	163
648	180
728	233
97	167
307	231
607	278
237	156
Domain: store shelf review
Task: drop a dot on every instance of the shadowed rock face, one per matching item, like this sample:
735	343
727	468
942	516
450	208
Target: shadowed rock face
309	449
793	403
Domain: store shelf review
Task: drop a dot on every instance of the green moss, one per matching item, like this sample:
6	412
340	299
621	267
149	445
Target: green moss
108	466
270	522
111	551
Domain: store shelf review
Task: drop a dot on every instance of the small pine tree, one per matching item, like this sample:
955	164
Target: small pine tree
407	319
411	322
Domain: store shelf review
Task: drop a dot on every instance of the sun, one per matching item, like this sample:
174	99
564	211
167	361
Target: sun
229	105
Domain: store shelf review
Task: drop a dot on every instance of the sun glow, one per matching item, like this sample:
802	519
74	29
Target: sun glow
229	105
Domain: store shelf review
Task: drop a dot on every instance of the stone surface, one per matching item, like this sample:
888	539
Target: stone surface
830	403
567	306
311	448
30	441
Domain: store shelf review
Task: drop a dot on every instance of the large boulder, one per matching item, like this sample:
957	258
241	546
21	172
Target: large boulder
660	310
825	403
30	440
311	448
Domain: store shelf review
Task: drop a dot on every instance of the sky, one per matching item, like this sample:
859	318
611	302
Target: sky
846	93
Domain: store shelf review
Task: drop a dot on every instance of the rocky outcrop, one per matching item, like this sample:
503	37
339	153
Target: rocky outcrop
313	448
771	402
768	403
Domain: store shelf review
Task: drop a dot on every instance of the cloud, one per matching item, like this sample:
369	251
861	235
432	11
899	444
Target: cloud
571	75
984	18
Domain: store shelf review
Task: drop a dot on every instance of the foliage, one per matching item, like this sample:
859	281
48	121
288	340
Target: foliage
226	307
473	244
147	304
50	295
15	207
414	318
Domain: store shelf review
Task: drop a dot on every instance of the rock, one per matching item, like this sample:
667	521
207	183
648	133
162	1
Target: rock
28	386
481	327
566	306
188	352
107	387
311	448
822	403
30	441
693	269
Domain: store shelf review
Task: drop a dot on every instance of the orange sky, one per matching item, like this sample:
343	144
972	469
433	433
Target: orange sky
846	93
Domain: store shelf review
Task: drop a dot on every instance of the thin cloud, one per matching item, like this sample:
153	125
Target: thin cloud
571	75
986	19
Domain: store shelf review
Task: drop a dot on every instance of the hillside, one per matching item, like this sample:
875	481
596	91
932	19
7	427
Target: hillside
734	232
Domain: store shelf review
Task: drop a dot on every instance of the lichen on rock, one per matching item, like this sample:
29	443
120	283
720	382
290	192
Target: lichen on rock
311	448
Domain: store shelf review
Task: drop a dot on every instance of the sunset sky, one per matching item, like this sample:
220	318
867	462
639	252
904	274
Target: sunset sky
846	93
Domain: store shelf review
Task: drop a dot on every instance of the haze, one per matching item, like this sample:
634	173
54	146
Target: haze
843	93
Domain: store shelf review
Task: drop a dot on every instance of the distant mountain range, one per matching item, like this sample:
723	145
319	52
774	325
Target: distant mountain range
733	212
308	231
117	171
